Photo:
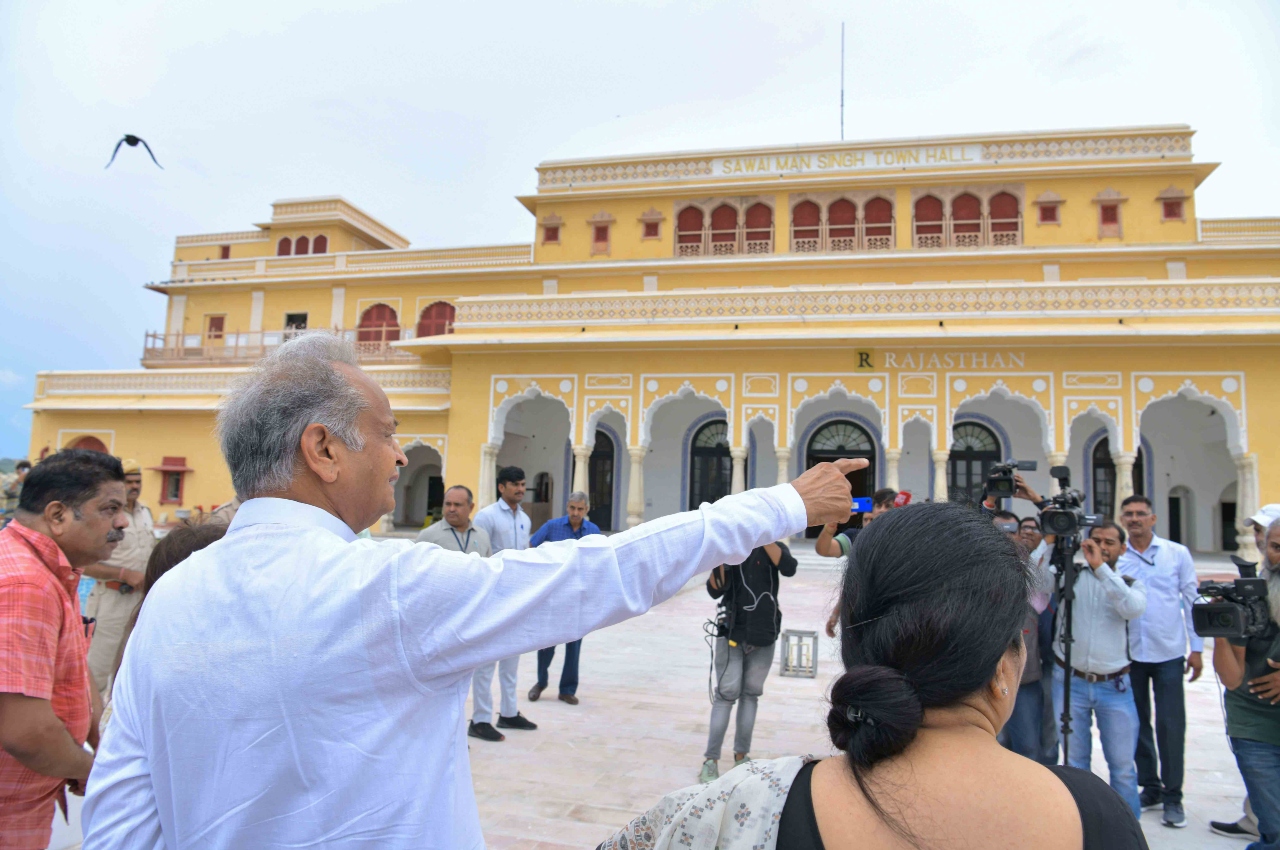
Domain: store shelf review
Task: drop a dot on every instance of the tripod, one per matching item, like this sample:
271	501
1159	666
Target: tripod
1064	560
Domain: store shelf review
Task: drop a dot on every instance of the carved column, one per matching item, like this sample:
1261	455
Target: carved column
1058	459
1124	478
581	460
738	482
635	486
1246	506
891	458
487	487
783	453
940	458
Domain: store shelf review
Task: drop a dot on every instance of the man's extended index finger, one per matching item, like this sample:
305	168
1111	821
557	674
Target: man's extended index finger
851	464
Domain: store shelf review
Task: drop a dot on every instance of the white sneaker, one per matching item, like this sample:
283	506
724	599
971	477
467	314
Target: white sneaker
710	771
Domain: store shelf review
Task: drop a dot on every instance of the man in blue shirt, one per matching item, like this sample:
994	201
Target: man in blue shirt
572	526
1158	644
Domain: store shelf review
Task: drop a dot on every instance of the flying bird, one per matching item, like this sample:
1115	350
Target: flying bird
132	141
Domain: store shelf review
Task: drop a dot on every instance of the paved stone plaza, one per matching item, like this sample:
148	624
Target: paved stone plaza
641	728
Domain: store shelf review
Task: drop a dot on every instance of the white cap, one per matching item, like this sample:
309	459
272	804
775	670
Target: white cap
1267	515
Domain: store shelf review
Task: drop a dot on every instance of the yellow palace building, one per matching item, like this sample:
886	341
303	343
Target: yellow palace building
689	324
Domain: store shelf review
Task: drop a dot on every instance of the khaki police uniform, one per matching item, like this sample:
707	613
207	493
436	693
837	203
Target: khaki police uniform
112	603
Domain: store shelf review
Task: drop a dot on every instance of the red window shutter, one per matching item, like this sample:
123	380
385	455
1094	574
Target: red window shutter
878	215
90	443
1173	209
378	324
724	224
1110	214
436	319
928	215
551	233
602	233
805	220
321	245
302	246
284	247
966	207
225	252
216	326
842	219
1049	214
651	230
759	221
1004	205
689	225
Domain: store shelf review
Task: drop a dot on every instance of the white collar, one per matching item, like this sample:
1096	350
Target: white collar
269	511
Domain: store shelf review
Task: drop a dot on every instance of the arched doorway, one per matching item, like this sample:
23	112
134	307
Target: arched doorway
710	466
600	469
436	319
974	450
91	443
1104	478
837	439
378	324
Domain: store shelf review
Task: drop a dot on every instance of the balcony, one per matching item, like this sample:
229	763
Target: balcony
984	232
827	238
373	345
1240	231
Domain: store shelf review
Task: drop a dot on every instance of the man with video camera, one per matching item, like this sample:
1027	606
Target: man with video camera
1103	604
1246	667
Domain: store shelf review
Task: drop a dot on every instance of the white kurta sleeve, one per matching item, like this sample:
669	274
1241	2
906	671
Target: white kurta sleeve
459	612
120	809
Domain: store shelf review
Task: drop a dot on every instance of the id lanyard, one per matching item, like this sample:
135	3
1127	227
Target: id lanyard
462	546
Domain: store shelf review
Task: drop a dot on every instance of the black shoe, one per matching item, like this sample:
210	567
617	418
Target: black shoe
569	698
1174	815
485	732
1150	798
535	692
517	722
1231	830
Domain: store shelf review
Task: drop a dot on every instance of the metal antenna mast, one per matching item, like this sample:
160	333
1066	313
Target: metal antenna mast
842	81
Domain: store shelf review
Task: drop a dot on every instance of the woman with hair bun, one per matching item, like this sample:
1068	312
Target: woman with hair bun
934	599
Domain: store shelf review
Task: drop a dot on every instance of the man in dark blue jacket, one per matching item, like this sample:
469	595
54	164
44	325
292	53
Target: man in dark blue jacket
748	594
574	525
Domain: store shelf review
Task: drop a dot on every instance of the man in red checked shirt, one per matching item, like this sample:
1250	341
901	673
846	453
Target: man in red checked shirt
71	514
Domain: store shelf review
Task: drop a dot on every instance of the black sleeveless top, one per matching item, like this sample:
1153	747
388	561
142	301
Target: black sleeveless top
1107	821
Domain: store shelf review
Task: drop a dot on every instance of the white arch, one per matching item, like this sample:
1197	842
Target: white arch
760	417
1046	422
917	416
1237	436
1109	422
686	391
498	419
836	387
593	420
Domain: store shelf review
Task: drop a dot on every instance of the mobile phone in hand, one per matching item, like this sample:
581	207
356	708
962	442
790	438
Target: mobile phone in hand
861	505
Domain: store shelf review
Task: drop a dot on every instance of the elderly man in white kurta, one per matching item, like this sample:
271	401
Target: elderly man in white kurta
291	686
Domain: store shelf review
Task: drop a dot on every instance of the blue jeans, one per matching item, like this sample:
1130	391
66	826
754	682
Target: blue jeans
569	674
1112	703
1023	732
1259	765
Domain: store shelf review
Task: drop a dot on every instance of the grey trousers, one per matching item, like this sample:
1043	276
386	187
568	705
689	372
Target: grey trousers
739	673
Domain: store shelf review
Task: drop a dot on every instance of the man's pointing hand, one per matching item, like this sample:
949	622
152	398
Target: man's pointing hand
826	492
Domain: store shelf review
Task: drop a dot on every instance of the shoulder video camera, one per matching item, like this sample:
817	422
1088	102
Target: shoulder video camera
1065	514
1000	481
1234	609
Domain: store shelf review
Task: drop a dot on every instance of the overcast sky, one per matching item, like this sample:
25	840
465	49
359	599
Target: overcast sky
431	116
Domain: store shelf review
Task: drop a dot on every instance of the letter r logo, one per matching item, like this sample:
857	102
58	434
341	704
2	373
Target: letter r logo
864	360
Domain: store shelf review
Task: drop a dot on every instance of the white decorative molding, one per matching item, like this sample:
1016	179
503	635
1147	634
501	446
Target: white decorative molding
752	413
657	389
1103	147
926	413
608	382
70	435
1091	380
917	385
437	442
1108	408
506	391
1034	389
148	382
878	301
628	173
1223	391
760	385
596	406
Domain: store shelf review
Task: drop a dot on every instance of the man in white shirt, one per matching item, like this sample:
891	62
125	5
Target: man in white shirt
508	526
1158	646
1104	602
291	686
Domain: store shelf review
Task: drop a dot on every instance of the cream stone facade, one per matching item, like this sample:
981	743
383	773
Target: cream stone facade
690	324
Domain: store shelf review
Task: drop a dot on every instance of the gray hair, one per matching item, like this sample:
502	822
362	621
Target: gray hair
578	496
260	423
